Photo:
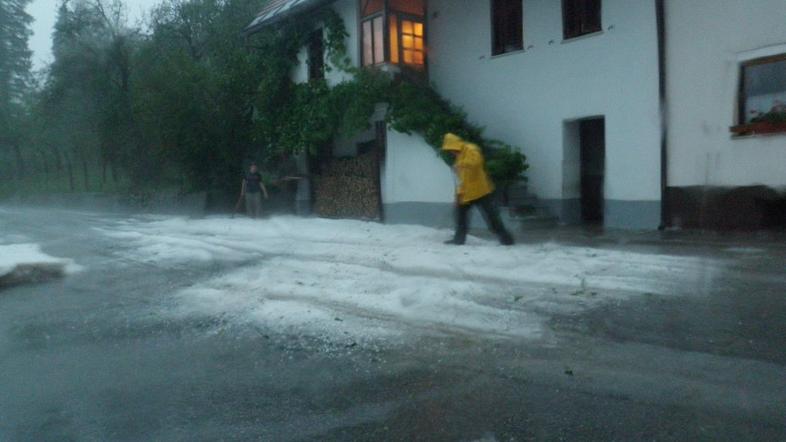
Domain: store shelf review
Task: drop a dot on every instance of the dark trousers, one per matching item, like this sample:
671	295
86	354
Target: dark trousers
490	214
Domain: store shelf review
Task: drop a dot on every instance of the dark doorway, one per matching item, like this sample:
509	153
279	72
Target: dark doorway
316	56
592	135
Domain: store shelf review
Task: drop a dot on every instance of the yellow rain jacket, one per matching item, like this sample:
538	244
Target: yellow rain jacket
470	166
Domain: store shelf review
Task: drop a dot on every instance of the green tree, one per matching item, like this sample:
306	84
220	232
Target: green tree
87	99
15	79
15	54
174	106
197	83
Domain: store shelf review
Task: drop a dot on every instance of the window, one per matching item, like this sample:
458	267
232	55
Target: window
413	50
373	43
762	94
316	56
507	26
393	31
580	17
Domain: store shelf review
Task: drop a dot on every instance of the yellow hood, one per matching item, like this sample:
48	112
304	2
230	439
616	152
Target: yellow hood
470	167
452	143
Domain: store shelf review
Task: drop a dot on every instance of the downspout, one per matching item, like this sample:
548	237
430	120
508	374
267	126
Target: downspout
665	213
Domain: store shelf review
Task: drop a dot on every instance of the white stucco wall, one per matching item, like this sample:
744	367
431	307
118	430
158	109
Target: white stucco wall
414	172
707	40
525	97
533	98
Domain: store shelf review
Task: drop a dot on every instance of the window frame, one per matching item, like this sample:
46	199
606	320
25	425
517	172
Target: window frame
370	19
741	125
566	36
386	13
400	18
492	16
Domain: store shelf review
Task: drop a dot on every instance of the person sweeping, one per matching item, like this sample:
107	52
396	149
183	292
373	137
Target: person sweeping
474	189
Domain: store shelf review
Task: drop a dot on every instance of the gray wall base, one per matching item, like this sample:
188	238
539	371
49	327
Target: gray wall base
618	214
634	215
727	208
426	214
440	215
568	211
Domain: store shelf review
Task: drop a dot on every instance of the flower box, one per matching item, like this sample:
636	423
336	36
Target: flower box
761	127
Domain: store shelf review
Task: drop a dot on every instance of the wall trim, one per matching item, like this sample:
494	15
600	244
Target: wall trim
766	51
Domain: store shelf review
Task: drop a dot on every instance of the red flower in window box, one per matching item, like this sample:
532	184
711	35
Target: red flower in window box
771	122
761	127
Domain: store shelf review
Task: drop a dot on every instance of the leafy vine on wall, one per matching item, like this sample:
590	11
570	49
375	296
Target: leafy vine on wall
309	115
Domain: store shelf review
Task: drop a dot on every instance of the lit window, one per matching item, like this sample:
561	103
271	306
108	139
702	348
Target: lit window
368	44
402	42
394	47
373	42
379	42
412	43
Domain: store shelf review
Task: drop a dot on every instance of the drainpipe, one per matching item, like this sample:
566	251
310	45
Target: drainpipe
660	11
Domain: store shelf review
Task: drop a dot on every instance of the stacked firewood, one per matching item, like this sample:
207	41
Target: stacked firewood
348	188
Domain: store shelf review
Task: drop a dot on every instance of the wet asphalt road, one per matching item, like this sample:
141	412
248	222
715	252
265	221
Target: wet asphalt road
86	358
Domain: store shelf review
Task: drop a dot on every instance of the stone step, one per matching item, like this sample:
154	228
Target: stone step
527	221
526	211
534	222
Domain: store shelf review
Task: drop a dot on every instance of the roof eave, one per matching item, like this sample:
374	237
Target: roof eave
302	8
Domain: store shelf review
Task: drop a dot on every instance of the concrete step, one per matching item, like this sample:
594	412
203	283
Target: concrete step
528	220
535	222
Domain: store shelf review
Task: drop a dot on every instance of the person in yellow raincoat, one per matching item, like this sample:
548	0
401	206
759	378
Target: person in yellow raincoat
474	189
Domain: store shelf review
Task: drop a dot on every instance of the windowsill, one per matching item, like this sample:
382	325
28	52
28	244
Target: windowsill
386	67
582	37
757	130
395	70
395	67
507	54
758	135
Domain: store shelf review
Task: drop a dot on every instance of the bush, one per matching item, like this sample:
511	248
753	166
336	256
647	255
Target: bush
505	164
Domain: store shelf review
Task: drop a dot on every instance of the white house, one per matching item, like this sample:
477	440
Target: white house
726	58
618	104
